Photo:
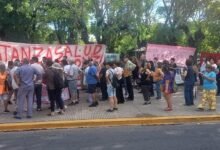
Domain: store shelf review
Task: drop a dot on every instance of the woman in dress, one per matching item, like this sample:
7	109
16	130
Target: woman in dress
167	85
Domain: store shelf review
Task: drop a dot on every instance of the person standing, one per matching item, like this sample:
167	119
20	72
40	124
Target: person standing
142	61
135	72
119	90
13	83
146	83
24	77
202	69
167	85
158	77
189	81
72	73
209	89
85	73
9	80
4	91
103	85
110	88
92	80
155	62
53	75
218	78
128	68
173	65
38	83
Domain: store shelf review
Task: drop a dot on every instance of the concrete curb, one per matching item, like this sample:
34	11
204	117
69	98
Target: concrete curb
9	127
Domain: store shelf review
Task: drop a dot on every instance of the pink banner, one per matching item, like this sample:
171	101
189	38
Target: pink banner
11	51
166	52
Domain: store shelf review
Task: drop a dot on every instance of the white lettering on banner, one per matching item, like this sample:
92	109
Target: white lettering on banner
166	52
11	51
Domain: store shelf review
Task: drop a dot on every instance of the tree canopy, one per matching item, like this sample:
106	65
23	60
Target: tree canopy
122	25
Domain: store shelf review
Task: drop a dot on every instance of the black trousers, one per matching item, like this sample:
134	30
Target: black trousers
218	85
119	91
146	90
129	88
55	96
152	91
103	87
38	93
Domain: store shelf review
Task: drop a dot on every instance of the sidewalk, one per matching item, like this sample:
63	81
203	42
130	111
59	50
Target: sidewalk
134	109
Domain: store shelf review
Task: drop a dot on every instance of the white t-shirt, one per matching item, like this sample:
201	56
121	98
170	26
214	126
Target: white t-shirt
109	73
12	72
85	74
119	72
40	70
72	72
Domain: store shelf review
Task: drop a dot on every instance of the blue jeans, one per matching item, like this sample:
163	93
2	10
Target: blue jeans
25	93
188	93
158	91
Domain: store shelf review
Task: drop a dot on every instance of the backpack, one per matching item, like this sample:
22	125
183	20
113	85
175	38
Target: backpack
114	80
58	80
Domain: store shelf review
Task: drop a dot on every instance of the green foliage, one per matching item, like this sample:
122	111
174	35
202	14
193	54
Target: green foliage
122	25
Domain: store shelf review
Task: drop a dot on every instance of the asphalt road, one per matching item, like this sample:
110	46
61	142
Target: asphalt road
172	137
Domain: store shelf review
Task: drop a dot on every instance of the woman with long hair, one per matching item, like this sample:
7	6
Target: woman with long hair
167	85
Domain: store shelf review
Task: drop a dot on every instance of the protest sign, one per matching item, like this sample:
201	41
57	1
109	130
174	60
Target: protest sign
10	51
166	52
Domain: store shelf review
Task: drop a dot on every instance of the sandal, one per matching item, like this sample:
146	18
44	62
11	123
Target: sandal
110	110
168	109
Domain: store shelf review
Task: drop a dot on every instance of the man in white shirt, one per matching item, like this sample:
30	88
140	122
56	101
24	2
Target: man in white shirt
12	72
72	72
119	90
38	83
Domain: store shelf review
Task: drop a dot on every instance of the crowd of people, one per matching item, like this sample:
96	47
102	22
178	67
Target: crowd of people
21	82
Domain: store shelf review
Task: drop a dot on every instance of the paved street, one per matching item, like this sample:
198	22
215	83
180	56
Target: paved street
178	137
127	110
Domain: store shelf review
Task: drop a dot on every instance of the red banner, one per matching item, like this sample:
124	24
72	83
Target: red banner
215	56
166	52
11	51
